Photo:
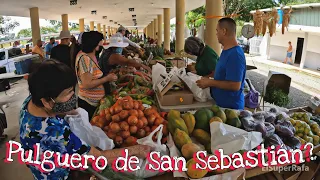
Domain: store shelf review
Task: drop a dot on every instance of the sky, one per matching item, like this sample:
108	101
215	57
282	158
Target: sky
25	23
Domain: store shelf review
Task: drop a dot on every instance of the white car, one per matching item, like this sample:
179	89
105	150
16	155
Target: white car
7	59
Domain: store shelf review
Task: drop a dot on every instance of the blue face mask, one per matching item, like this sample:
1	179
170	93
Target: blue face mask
119	50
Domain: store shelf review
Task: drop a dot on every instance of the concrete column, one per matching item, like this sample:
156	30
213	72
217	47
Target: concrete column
109	31
268	45
166	13
99	27
91	25
35	26
104	32
304	50
152	30
65	23
148	30
213	8
160	29
155	28
81	25
180	23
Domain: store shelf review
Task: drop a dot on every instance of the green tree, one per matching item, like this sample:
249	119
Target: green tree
7	24
58	25
24	33
48	30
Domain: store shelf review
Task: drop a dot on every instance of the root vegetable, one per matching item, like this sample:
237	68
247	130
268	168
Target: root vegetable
118	140
141	133
132	120
145	121
125	134
128	105
124	114
115	128
133	112
158	121
140	114
111	134
151	119
133	129
115	118
140	124
124	126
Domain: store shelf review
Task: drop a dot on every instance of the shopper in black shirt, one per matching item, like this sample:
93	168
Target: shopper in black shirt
62	51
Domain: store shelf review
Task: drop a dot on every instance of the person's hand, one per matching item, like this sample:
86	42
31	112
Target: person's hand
72	112
204	82
111	77
146	68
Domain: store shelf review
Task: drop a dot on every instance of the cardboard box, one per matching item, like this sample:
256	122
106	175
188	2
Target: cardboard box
169	97
153	62
179	63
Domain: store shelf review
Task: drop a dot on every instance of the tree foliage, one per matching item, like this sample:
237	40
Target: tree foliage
43	30
7	24
58	25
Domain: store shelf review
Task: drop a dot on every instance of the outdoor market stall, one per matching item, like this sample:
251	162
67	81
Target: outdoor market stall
134	114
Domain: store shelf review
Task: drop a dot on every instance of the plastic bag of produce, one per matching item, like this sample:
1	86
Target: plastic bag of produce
92	135
156	147
201	95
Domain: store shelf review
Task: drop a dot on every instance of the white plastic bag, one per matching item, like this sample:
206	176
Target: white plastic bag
232	139
92	135
155	147
157	70
201	95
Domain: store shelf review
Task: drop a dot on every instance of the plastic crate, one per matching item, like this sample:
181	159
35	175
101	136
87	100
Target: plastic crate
22	66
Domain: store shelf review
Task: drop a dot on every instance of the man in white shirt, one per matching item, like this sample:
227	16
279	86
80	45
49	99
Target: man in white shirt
121	32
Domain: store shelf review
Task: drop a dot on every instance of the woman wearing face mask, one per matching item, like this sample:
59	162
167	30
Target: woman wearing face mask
91	79
207	58
41	119
111	56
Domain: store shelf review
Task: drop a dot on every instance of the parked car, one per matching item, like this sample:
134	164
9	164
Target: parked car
10	55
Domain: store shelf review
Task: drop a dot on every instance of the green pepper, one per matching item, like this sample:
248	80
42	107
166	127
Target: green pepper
123	93
146	101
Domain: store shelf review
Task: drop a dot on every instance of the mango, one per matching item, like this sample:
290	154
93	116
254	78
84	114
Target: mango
232	118
202	136
174	114
181	138
189	149
190	121
203	117
215	109
193	172
221	115
215	119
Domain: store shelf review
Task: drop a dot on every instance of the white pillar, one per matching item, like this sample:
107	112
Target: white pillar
304	50
268	45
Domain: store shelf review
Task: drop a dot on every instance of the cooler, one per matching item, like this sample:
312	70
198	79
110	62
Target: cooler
22	65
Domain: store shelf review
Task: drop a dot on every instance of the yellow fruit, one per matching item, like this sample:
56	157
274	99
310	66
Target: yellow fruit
301	129
215	119
300	135
221	115
315	138
193	172
293	122
176	122
306	131
190	121
298	123
189	149
302	141
202	136
318	133
181	138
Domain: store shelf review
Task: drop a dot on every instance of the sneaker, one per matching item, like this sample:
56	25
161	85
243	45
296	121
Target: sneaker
290	63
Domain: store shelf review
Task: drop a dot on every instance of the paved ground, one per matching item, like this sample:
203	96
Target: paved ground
303	85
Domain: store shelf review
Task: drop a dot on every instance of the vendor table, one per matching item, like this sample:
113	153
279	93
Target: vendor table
183	108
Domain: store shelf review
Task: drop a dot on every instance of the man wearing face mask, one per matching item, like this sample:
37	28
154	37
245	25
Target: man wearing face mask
206	57
61	52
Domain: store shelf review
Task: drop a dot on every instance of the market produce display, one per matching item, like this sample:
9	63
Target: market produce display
136	84
128	120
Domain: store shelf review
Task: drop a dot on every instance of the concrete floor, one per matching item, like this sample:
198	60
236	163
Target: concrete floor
12	104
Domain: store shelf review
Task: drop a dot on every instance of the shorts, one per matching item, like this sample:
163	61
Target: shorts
289	54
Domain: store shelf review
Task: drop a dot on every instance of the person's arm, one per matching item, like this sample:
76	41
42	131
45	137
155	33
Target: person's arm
226	85
120	60
85	72
125	39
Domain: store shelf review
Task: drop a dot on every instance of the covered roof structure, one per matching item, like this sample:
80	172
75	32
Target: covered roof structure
118	11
